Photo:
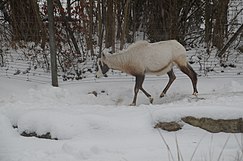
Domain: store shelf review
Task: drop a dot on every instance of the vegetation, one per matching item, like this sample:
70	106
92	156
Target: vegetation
85	27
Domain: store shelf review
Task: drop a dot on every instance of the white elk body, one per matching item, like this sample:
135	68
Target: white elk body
143	58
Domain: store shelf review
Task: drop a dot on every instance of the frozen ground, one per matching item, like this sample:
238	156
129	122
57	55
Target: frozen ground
104	128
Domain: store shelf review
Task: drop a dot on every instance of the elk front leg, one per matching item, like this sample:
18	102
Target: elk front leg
148	95
139	86
172	77
136	89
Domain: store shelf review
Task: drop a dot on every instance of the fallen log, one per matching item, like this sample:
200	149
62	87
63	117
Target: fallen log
215	126
208	124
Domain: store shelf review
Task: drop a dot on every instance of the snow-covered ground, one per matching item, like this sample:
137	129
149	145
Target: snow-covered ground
105	128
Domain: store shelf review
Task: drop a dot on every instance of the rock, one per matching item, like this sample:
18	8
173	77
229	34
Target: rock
209	124
215	126
168	126
43	136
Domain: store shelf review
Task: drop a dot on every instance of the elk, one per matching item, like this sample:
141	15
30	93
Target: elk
143	58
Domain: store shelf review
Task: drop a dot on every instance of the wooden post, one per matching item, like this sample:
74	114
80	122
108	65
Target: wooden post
52	43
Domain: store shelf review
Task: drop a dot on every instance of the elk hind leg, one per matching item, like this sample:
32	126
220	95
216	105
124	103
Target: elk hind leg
172	77
188	70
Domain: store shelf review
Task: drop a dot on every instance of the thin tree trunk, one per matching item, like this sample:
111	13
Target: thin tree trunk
100	27
231	40
90	28
208	25
69	9
108	26
220	24
173	26
125	24
119	20
113	26
52	43
68	28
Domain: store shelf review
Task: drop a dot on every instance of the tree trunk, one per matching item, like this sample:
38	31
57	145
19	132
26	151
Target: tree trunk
159	24
113	27
25	21
173	26
68	29
208	24
119	20
125	24
220	28
100	26
109	22
52	43
231	40
90	28
69	15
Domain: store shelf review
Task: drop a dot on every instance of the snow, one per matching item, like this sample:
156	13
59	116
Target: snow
105	128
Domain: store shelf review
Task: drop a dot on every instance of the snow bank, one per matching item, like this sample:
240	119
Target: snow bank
61	124
103	127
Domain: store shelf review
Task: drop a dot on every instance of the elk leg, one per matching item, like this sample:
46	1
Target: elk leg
192	75
148	95
145	92
172	77
138	85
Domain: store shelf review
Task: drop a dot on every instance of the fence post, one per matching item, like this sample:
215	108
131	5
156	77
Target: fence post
52	43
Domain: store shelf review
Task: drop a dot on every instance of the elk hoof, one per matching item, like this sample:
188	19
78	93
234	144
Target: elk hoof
132	104
151	100
162	95
195	94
